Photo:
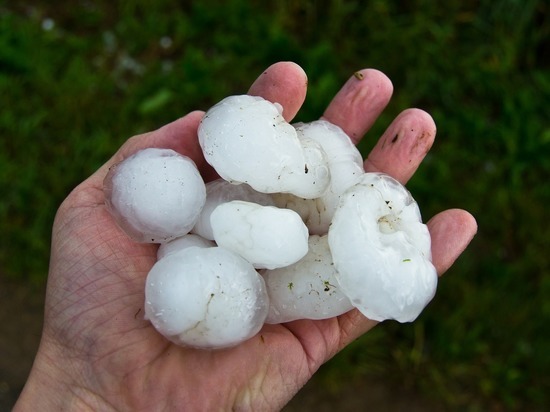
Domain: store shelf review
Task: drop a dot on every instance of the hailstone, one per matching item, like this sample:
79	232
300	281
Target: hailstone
247	140
205	297
345	166
308	289
181	243
221	191
381	250
266	236
155	195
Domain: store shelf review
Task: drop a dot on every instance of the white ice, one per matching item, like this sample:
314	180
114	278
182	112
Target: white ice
220	191
266	236
345	166
205	298
181	243
381	250
155	195
308	289
247	140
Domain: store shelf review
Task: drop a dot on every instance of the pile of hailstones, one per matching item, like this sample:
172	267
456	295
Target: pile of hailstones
294	229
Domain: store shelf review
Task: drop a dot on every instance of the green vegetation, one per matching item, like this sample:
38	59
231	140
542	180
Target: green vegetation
78	78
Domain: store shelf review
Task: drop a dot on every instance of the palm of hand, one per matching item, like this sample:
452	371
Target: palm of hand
94	312
94	318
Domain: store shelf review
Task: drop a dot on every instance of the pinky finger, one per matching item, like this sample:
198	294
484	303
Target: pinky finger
451	232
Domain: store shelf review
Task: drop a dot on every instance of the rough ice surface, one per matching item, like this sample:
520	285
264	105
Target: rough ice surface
308	289
266	236
381	250
247	140
345	166
181	243
155	195
220	191
205	297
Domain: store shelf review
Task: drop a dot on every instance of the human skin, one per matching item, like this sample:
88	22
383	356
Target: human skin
98	353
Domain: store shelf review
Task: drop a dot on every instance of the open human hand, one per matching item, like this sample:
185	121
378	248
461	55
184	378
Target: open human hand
98	353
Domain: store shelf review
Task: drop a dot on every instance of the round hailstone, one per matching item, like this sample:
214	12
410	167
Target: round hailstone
381	250
221	191
247	140
345	166
155	195
308	289
205	298
266	236
181	243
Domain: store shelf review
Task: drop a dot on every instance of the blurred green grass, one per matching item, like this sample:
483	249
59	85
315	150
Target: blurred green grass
78	78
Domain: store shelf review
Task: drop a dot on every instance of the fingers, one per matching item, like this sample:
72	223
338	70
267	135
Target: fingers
451	231
359	103
284	83
403	145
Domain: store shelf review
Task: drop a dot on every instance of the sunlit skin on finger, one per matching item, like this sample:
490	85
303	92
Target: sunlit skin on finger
451	231
403	145
281	76
358	104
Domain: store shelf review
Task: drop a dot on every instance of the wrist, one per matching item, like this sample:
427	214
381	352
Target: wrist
51	386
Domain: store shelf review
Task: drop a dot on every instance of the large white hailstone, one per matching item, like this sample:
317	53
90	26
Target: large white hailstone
181	243
247	140
155	195
221	191
346	168
381	250
205	298
308	289
266	236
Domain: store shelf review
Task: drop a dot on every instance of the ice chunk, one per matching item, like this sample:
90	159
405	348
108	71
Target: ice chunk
345	168
206	298
220	191
247	140
155	195
266	236
381	250
181	243
308	289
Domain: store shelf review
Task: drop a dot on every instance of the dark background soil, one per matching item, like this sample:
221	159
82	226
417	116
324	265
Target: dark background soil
21	314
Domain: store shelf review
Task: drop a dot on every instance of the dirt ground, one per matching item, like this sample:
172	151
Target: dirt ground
21	310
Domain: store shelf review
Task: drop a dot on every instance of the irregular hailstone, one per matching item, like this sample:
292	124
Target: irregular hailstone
221	191
247	140
181	243
381	250
308	289
346	168
205	298
266	236
155	195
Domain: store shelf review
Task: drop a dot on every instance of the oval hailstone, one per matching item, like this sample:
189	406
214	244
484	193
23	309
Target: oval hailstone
155	195
381	250
247	140
308	289
220	191
205	298
266	236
